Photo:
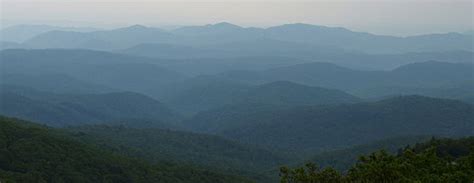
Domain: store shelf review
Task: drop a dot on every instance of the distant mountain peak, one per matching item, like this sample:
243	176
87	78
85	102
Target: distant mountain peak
224	25
299	25
135	27
309	26
219	27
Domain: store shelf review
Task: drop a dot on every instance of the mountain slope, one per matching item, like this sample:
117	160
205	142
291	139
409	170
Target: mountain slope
55	83
25	149
293	94
423	73
367	42
157	145
455	90
158	50
364	83
310	129
63	109
21	33
203	93
101	40
121	72
312	74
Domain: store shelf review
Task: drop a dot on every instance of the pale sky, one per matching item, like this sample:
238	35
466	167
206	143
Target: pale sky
392	17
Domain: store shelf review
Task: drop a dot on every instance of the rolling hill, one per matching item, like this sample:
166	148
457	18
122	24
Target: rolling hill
205	93
293	94
69	109
55	83
406	79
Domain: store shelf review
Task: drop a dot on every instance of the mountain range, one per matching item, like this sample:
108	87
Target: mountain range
21	33
212	36
225	103
418	76
102	69
86	71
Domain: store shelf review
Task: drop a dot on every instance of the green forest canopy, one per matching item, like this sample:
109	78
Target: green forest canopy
439	160
33	153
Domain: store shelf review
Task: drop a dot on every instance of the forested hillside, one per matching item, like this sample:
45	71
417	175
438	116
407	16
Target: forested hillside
309	129
104	99
343	159
157	145
32	153
439	160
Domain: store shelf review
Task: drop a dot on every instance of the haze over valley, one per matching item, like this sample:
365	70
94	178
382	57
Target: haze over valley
223	102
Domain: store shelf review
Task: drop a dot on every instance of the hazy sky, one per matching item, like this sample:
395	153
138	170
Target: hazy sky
395	17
